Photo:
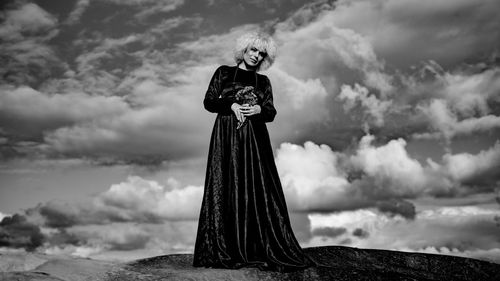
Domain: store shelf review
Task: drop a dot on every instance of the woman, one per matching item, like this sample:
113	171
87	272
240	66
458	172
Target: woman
244	219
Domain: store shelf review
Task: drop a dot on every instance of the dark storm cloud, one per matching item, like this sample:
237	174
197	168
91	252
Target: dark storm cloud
58	215
361	233
406	32
63	237
398	207
17	232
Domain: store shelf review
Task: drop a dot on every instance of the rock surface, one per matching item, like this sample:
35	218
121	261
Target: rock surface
335	263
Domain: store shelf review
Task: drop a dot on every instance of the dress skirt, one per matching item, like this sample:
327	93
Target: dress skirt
244	220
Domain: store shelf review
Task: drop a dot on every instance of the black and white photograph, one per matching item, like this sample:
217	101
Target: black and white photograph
249	140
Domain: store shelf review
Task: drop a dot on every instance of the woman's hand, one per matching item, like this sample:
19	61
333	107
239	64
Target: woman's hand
247	110
237	109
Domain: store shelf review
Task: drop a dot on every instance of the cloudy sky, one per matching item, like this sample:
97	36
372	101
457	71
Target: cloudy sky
387	133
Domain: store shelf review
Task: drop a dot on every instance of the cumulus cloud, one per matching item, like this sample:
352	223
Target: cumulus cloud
151	129
373	107
474	168
58	215
347	49
390	172
137	215
299	93
135	200
314	48
142	123
123	241
470	93
317	179
447	125
389	168
122	237
320	49
34	111
312	179
299	103
323	54
461	104
463	231
159	91
295	96
148	114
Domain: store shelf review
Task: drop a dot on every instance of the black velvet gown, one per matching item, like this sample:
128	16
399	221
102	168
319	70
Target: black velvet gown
244	220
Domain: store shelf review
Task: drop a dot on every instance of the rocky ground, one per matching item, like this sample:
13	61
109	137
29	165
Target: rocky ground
336	263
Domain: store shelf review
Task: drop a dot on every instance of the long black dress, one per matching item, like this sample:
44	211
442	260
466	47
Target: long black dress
244	220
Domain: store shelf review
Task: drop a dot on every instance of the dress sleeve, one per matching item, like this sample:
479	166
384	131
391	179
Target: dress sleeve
268	112
213	101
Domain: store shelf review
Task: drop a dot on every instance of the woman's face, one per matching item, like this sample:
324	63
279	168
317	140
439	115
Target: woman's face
253	56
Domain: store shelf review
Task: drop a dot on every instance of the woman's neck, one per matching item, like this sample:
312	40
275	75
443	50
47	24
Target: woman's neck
244	66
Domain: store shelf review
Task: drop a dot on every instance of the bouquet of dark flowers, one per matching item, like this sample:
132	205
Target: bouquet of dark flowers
245	97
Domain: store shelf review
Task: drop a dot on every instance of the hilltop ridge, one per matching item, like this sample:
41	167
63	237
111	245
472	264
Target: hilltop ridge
336	263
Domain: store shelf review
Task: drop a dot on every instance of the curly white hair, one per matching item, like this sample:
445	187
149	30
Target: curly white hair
259	40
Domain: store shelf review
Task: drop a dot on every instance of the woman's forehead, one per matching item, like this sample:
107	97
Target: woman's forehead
259	45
